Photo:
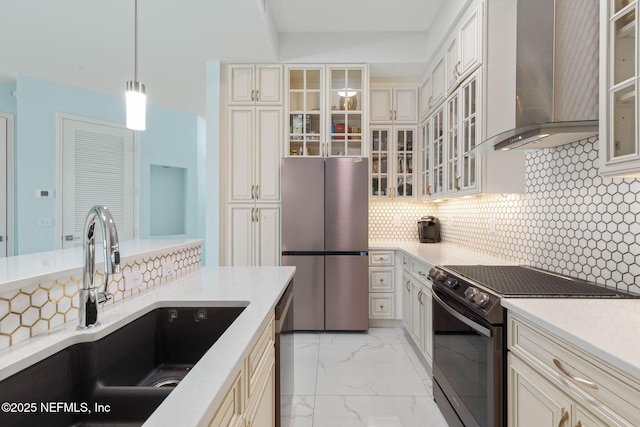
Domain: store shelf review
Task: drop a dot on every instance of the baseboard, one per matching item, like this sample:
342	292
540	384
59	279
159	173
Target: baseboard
385	323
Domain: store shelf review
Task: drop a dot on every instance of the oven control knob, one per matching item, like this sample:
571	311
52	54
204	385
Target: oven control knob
452	283
437	275
481	299
470	293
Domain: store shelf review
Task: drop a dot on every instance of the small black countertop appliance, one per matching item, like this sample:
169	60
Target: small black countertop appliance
429	229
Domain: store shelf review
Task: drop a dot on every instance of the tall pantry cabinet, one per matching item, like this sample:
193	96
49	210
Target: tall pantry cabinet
254	149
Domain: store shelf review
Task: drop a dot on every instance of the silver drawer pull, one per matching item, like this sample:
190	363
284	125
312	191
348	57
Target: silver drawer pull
421	273
582	381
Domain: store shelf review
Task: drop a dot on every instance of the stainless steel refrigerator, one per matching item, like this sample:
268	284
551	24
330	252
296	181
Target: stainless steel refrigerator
325	235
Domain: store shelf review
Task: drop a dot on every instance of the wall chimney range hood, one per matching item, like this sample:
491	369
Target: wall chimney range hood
556	84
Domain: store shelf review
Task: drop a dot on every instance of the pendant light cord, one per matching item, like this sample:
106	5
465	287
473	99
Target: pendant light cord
135	43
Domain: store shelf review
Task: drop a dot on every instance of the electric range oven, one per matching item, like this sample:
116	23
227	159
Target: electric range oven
469	327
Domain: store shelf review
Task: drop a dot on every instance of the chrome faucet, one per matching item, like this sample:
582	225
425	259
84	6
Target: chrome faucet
89	295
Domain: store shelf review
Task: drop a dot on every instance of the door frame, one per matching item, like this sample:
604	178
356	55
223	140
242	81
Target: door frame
60	117
10	241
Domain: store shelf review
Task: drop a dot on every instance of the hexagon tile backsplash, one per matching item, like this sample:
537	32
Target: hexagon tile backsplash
570	220
27	312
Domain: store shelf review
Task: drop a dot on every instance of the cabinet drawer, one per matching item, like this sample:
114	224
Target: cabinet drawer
380	279
563	363
381	258
381	306
258	358
421	272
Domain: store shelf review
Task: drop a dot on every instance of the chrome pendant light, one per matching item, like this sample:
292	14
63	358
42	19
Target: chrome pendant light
136	98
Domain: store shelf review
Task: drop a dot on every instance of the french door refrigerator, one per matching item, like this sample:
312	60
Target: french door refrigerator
325	236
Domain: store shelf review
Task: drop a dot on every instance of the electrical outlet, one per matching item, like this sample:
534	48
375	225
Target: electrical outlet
167	267
132	280
397	220
492	226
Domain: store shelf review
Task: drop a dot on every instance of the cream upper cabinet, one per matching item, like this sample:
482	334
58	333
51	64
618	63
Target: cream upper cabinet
432	155
425	97
438	80
464	47
347	103
452	61
254	152
619	80
305	106
255	84
393	105
470	34
448	166
392	161
327	110
460	54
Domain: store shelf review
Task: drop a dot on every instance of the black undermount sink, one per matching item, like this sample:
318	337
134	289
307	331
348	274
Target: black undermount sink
127	374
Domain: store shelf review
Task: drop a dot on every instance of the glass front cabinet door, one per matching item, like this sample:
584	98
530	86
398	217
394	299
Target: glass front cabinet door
347	103
392	161
619	148
326	110
305	106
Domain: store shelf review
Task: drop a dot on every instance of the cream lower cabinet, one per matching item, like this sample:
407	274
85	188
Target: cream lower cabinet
250	401
381	285
552	383
406	301
417	317
253	235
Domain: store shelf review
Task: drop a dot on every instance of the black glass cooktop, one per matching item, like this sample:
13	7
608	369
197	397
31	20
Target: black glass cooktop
521	281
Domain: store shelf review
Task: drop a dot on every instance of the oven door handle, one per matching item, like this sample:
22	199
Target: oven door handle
476	326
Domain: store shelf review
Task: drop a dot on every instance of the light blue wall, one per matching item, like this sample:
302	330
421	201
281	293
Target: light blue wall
7	101
170	139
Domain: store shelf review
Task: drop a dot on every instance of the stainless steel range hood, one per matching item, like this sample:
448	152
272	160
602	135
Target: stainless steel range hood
556	93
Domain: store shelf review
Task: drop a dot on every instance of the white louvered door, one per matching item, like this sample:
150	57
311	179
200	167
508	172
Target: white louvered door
97	169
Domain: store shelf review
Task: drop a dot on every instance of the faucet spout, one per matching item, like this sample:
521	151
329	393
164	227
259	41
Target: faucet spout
90	297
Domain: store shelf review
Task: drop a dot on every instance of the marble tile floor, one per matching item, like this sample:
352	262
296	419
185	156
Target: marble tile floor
371	379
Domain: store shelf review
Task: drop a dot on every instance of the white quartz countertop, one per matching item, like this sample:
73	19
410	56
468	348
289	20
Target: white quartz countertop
439	253
194	400
31	269
606	328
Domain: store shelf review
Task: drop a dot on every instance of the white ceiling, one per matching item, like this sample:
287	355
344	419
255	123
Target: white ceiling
89	43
